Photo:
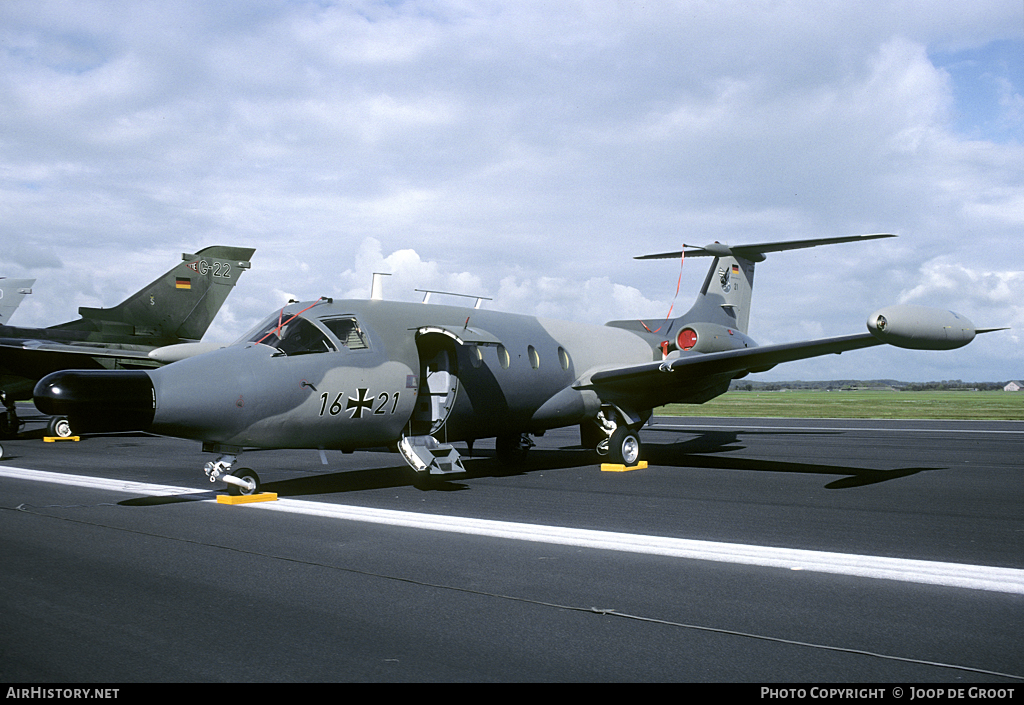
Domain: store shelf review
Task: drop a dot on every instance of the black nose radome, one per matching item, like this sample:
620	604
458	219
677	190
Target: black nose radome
96	401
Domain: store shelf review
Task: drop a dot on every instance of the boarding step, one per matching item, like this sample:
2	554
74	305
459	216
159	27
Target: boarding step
427	454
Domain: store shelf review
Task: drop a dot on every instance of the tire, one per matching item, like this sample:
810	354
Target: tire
9	424
244	474
510	449
624	447
60	427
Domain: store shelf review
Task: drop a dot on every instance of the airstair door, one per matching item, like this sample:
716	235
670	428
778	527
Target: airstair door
439	385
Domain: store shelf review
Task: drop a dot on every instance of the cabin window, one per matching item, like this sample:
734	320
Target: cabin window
534	357
503	357
348	332
563	358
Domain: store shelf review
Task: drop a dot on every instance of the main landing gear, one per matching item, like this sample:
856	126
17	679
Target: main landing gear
512	448
243	481
10	424
613	438
623	447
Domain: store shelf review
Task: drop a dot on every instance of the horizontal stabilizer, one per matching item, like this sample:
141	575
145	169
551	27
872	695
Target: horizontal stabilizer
756	252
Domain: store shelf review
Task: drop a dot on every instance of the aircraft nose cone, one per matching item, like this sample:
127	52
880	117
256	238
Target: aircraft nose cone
98	400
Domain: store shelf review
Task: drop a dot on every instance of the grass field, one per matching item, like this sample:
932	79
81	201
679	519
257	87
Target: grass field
859	405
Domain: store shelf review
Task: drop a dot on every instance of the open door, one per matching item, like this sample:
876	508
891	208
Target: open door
438	390
439	374
439	385
437	394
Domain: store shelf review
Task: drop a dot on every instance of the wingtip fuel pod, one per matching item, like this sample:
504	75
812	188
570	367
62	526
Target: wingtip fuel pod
921	327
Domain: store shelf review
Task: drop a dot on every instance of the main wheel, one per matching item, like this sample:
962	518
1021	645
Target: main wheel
60	427
246	475
511	449
624	447
10	424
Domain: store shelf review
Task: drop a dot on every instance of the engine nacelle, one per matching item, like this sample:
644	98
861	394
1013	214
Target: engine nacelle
921	328
707	338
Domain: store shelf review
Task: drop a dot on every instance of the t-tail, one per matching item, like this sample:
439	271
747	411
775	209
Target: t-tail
723	304
180	305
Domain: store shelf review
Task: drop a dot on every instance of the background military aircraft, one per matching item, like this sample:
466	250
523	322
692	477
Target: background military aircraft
177	307
417	377
12	291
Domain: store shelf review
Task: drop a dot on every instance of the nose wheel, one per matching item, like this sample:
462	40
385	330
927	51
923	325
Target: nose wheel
243	481
248	482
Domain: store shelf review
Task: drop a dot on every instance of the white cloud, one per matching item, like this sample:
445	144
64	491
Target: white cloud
520	151
995	294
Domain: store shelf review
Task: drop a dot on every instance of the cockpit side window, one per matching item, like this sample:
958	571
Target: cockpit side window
348	332
295	336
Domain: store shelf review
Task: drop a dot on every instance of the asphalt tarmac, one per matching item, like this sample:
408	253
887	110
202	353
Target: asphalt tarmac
750	550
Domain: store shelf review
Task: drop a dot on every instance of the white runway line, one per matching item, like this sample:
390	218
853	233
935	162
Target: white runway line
972	577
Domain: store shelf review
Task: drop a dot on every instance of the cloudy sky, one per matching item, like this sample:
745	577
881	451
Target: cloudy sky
526	151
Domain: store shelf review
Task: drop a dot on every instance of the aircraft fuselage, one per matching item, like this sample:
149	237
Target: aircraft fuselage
496	371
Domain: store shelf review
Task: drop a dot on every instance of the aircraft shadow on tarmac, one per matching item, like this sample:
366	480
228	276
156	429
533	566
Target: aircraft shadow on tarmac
480	465
707	449
703	449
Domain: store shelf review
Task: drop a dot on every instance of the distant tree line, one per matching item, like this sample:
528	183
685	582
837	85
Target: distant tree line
955	384
876	384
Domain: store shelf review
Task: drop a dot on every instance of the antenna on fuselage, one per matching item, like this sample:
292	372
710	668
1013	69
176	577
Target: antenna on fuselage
377	286
427	292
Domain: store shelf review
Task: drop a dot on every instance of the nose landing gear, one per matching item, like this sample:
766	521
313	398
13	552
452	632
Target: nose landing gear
243	481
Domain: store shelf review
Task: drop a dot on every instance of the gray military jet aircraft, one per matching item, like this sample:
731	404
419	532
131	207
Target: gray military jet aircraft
12	291
416	377
176	308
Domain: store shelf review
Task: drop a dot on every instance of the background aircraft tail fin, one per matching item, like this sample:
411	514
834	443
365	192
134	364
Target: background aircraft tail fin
12	291
183	302
725	297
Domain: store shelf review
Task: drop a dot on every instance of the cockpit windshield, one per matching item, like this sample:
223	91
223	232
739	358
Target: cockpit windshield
292	336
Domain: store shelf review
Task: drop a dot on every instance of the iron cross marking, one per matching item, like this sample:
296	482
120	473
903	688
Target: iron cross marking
359	404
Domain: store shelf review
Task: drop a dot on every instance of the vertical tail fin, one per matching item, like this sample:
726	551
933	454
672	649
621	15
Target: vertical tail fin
12	291
725	297
183	302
